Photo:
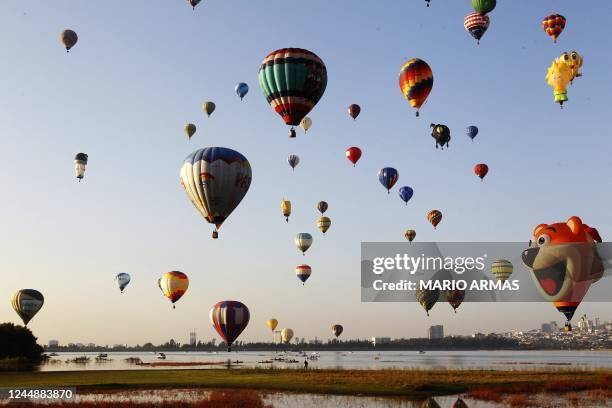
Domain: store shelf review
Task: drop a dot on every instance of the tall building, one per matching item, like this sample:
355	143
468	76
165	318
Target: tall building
193	338
436	332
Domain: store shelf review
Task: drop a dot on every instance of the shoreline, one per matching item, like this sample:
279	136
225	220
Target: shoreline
383	383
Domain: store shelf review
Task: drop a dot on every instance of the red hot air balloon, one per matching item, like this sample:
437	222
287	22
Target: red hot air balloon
553	25
481	170
354	110
229	318
353	154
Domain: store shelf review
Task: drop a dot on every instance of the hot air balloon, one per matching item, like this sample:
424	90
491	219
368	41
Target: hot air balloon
388	177
193	3
286	209
483	6
286	335
272	323
441	133
208	107
410	235
405	193
559	76
306	123
322	207
427	1
353	154
459	403
80	162
476	24
454	298
481	170
229	318
430	403
303	272
553	24
241	90
122	279
434	217
303	241
293	160
27	302
354	110
173	285
216	179
69	39
293	80
337	329
574	61
471	131
190	130
323	223
564	261
416	81
427	298
502	269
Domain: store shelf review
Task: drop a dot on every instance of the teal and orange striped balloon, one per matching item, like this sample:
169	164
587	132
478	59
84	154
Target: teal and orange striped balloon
416	81
293	80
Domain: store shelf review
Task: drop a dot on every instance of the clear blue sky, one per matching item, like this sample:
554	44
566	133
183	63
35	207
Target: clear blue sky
142	69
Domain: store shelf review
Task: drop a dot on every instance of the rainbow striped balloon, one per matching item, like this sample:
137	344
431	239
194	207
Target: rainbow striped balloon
416	82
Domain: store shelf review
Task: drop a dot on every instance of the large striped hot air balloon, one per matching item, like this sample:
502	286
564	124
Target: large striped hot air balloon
303	272
229	318
502	269
293	80
416	81
553	25
173	285
27	302
323	223
216	179
434	217
476	24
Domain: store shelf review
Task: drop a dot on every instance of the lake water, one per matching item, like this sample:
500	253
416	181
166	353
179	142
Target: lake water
496	360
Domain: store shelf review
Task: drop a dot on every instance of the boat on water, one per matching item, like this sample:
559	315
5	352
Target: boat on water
102	355
421	352
53	355
161	356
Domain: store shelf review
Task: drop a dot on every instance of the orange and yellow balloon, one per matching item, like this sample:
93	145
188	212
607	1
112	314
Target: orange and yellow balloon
173	285
416	81
272	323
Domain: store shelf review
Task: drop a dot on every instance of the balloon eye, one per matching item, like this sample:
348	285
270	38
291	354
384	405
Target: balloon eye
439	129
574	56
565	57
543	239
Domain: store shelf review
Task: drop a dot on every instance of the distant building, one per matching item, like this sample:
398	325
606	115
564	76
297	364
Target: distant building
193	340
436	331
53	343
380	340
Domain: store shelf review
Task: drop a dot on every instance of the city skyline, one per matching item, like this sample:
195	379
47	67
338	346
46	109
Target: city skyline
124	93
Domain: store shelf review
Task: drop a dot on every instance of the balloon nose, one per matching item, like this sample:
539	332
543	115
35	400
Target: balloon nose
529	256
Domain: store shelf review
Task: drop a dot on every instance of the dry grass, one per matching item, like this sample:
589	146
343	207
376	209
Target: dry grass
406	383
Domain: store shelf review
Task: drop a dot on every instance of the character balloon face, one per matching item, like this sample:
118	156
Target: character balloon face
564	261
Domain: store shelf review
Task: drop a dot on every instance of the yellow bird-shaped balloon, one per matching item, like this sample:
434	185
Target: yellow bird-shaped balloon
574	61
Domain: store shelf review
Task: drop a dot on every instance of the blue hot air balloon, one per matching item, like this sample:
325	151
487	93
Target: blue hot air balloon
293	160
388	177
471	131
406	193
242	89
229	318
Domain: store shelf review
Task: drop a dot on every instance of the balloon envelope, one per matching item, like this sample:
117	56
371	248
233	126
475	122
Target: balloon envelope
410	234
272	323
293	80
476	24
388	176
303	272
406	193
229	318
27	302
306	123
322	206
303	241
481	170
337	329
69	39
353	154
209	107
434	217
173	285
216	179
323	223
354	110
190	130
416	82
553	24
122	279
502	269
286	335
293	160
242	89
483	6
471	131
427	298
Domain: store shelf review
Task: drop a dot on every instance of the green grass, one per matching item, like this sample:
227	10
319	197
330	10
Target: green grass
406	383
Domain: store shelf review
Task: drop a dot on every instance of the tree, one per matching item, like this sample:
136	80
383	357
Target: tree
19	342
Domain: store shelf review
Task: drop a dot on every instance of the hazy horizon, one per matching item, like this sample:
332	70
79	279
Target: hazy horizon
142	69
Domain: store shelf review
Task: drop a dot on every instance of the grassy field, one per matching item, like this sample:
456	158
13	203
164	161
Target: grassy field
406	383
